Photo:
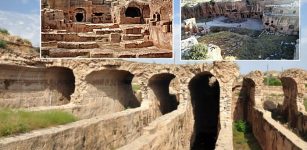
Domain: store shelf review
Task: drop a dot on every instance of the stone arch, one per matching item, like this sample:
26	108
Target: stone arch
32	87
248	93
61	79
80	15
112	87
289	107
160	85
133	12
205	98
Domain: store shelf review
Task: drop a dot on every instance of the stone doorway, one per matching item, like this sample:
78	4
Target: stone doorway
133	12
160	84
80	15
205	96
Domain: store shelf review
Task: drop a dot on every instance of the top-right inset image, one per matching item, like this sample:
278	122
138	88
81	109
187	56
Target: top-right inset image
240	29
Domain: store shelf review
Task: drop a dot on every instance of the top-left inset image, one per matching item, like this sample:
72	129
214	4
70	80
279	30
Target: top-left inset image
19	29
106	28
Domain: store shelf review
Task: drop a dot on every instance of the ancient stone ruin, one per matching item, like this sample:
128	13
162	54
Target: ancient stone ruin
177	106
107	28
254	19
276	15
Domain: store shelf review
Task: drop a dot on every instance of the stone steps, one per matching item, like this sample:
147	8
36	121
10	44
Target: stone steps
107	31
136	44
77	45
133	30
85	53
86	37
49	44
91	27
127	37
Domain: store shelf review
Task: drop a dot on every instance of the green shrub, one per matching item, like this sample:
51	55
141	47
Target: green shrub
18	121
2	44
136	87
197	52
272	81
241	126
4	31
244	140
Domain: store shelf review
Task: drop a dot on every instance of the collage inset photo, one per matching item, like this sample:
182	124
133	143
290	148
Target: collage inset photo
240	29
107	29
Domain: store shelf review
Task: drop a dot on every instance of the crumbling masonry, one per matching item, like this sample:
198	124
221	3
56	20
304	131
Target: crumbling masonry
168	113
277	15
107	29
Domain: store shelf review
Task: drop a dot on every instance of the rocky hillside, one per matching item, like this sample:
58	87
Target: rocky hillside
17	45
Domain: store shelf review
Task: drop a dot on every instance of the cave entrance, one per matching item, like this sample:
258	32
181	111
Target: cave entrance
79	17
133	12
205	96
160	84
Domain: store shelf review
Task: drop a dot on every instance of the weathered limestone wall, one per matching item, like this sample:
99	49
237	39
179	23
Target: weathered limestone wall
161	35
121	15
30	87
104	132
118	129
160	27
293	108
234	10
175	130
111	89
272	135
269	133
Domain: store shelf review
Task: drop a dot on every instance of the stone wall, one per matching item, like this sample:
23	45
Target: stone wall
269	133
293	108
233	10
105	132
110	131
149	126
30	87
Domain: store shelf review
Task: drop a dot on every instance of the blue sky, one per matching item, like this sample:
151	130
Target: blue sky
21	17
20	6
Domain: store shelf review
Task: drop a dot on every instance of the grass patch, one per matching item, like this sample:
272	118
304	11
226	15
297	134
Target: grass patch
245	44
19	121
136	87
4	31
243	138
197	52
2	44
272	81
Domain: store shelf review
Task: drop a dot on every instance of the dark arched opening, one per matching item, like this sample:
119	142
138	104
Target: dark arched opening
205	97
112	87
160	85
133	12
79	17
61	79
